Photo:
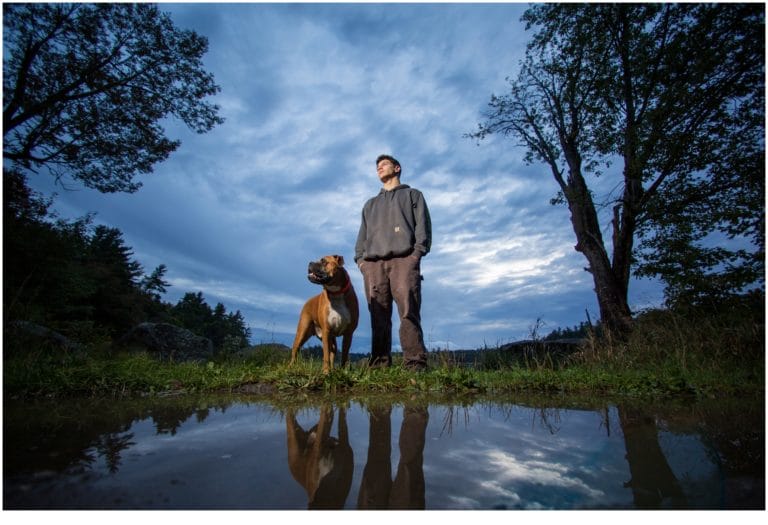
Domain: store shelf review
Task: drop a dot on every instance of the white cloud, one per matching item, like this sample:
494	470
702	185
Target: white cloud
508	469
311	95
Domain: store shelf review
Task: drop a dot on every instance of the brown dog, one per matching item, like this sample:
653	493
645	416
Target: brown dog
321	463
332	313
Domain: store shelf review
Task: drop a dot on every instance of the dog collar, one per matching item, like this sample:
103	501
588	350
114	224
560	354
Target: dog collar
344	288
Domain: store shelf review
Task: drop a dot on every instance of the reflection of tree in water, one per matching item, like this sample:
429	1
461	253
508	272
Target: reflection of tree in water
452	413
110	446
201	414
43	436
46	437
653	483
168	419
733	432
549	419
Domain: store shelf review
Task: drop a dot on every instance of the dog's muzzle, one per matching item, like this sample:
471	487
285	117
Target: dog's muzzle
317	274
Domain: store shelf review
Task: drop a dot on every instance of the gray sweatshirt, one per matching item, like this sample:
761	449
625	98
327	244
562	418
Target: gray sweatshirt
395	223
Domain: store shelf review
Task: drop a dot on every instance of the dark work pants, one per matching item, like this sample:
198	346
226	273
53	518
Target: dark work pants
397	279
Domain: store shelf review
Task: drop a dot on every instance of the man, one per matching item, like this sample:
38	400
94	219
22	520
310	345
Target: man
395	233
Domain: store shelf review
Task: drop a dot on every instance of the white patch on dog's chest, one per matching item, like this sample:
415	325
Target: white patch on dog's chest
338	315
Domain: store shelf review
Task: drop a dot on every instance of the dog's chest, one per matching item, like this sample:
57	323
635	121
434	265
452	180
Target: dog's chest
338	315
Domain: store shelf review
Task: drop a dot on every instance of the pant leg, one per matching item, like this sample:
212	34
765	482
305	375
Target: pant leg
408	488
405	280
376	484
379	297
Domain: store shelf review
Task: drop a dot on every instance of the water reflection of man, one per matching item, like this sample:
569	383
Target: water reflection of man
377	490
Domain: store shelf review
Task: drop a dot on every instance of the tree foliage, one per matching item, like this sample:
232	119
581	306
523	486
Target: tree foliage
225	330
86	89
673	93
81	280
154	284
87	86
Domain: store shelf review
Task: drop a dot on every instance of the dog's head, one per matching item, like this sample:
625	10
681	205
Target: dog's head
324	270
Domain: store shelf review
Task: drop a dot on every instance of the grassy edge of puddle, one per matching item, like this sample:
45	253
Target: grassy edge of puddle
667	355
140	374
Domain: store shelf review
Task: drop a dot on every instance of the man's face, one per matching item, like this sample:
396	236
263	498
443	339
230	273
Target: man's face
386	170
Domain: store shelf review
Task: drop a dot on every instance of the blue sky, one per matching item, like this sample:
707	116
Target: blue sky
312	94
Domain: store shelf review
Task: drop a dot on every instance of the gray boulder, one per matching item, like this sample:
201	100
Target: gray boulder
168	342
34	334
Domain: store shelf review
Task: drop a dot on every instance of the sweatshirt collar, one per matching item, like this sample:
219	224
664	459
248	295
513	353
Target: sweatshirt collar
398	187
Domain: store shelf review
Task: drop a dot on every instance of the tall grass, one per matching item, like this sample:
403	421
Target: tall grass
667	354
669	338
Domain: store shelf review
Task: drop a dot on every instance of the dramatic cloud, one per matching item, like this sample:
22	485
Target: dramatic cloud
311	95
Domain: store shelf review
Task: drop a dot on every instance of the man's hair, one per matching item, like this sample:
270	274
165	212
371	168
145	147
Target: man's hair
390	158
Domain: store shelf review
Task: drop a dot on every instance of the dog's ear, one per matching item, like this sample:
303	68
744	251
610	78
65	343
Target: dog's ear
339	259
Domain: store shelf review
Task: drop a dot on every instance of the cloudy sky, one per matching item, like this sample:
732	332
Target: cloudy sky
312	94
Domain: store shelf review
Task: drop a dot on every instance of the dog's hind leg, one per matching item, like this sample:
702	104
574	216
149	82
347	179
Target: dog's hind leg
304	331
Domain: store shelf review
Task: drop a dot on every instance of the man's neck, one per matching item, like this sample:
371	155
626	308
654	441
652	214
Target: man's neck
391	183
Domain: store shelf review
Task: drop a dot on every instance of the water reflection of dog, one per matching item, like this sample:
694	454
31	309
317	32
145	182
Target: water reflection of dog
320	463
377	489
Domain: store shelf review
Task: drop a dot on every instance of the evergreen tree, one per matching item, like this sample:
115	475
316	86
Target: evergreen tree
192	313
222	328
117	299
154	285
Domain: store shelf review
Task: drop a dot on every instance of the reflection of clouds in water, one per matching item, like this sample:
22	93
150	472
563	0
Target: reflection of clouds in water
529	459
462	502
492	477
239	423
235	457
494	488
509	468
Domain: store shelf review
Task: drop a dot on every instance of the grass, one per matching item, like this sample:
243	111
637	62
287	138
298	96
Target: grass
140	374
666	356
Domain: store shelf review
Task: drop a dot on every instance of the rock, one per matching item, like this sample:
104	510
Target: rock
168	342
41	334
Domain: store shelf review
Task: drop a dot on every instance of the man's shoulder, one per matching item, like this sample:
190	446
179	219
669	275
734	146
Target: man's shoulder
371	201
408	189
413	192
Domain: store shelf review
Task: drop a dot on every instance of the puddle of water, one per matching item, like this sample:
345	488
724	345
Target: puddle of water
247	453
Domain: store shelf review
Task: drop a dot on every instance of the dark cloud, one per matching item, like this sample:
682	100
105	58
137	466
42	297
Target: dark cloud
311	95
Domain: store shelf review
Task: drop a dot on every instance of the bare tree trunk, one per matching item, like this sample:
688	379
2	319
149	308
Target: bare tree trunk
611	297
611	282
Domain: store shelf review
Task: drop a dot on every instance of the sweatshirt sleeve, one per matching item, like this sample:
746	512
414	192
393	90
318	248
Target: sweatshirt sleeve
361	236
423	226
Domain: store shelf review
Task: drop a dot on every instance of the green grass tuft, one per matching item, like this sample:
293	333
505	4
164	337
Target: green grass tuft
666	355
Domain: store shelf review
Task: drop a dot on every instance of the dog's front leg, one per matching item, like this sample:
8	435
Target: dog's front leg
328	354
